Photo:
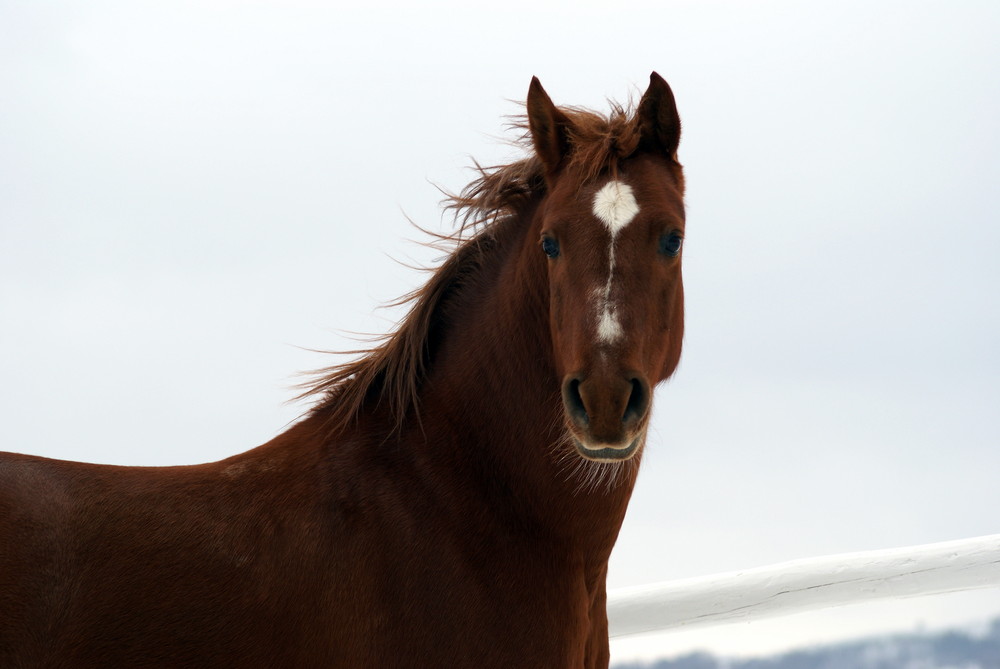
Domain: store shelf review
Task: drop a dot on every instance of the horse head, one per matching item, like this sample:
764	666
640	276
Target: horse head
612	227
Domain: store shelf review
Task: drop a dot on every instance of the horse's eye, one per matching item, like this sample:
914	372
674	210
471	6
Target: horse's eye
670	244
550	246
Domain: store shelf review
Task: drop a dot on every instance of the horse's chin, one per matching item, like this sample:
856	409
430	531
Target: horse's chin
605	453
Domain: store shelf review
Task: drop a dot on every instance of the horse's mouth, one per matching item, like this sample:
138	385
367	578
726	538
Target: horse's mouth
606	453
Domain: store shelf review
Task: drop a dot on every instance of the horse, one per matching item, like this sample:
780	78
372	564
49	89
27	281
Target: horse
452	495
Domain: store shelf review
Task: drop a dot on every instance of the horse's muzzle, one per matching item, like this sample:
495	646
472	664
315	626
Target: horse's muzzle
607	414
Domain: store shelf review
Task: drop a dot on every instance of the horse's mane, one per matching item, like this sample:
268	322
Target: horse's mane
390	373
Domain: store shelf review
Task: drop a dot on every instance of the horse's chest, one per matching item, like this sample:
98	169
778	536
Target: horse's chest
445	602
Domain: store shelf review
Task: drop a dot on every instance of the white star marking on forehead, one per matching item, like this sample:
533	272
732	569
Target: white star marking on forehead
615	206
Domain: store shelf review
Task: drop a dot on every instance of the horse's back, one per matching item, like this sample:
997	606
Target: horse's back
115	566
34	514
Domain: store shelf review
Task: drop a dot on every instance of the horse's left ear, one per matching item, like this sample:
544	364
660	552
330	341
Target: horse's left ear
549	128
659	124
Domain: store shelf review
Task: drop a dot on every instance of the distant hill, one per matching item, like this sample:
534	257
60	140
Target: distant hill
945	650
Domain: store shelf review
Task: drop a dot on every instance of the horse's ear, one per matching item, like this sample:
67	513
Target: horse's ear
659	124
549	127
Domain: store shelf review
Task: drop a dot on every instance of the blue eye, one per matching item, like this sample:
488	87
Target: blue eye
550	246
670	244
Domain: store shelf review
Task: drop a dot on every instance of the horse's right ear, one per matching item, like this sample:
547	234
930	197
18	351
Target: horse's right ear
659	124
549	128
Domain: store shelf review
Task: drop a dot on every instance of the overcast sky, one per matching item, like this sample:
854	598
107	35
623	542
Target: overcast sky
192	194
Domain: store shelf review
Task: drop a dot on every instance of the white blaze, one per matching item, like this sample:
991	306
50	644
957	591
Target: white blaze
608	327
615	206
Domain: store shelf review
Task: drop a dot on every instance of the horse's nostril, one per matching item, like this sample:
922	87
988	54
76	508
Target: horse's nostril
638	402
602	408
574	402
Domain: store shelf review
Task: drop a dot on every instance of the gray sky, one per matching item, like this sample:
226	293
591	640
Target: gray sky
193	193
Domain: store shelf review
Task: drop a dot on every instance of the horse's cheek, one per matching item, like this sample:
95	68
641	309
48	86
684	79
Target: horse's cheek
556	319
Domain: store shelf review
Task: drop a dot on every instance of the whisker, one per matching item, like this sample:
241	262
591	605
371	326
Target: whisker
590	477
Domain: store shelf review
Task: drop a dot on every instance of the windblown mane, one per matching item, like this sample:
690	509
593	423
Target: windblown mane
391	371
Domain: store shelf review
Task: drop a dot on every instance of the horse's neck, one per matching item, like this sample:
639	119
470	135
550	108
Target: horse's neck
493	399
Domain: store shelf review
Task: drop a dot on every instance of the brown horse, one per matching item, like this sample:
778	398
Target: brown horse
453	497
